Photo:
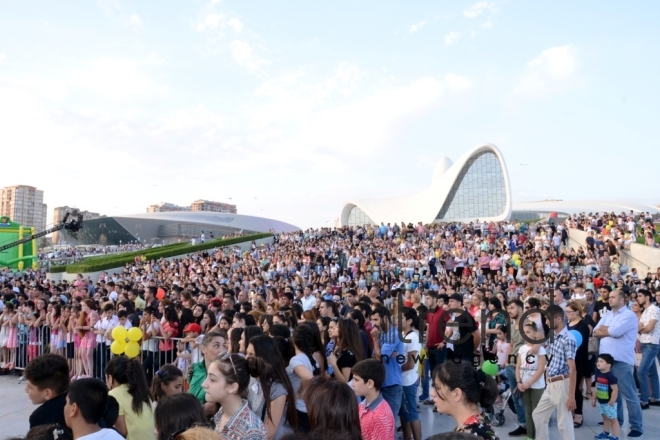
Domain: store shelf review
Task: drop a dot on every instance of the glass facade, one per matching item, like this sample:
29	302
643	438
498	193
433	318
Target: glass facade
357	217
478	192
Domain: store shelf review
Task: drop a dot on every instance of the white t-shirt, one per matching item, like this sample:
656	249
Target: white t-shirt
529	369
308	302
410	377
103	434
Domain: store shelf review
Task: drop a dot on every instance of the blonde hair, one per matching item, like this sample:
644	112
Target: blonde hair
200	433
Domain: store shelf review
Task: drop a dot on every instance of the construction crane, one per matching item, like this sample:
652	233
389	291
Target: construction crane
72	221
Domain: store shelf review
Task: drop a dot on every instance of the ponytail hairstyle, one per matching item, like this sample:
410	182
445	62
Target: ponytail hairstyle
129	371
267	349
303	338
82	318
477	387
165	376
237	369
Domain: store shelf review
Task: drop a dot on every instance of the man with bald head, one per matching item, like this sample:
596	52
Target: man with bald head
617	331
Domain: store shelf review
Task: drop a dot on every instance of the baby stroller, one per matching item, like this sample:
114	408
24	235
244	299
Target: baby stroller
496	412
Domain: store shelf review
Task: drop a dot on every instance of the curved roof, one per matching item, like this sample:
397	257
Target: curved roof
425	205
247	222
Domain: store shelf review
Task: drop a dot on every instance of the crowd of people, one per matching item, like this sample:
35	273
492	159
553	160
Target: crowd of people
622	230
345	332
60	255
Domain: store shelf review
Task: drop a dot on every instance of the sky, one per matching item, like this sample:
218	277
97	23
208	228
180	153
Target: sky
289	109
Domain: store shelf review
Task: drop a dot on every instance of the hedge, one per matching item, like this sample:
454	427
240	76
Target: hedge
57	269
119	260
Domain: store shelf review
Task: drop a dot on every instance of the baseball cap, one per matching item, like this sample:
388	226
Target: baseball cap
456	297
192	327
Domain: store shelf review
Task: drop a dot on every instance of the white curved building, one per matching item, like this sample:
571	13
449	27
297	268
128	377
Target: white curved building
476	186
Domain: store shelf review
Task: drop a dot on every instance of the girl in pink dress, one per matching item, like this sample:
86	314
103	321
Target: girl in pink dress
86	322
12	336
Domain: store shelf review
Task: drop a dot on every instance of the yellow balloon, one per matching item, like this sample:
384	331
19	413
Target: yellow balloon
117	347
611	223
132	349
119	333
608	227
134	334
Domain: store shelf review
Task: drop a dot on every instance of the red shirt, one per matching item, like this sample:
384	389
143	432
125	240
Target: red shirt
437	321
376	420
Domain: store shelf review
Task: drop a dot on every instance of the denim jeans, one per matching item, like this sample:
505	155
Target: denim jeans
436	357
393	395
627	390
517	401
426	374
647	368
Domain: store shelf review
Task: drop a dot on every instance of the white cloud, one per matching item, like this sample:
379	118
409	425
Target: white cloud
3	56
116	78
235	24
554	65
488	24
210	21
134	21
475	10
557	62
415	27
244	55
452	37
457	83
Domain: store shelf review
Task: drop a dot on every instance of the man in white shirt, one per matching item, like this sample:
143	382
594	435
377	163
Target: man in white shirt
649	338
308	300
85	405
411	425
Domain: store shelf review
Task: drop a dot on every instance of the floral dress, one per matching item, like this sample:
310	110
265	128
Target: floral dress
479	426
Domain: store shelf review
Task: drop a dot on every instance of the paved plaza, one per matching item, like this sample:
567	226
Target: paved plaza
15	409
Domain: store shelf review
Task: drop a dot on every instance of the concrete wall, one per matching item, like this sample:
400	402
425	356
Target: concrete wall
95	275
641	257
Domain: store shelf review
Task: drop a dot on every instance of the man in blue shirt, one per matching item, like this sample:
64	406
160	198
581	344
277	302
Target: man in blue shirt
617	331
388	348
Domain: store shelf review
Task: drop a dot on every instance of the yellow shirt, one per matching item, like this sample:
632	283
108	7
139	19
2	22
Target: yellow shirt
139	303
139	427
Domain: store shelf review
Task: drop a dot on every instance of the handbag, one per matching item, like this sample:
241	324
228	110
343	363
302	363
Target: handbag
593	345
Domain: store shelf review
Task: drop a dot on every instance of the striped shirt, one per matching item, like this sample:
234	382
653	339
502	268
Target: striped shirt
376	420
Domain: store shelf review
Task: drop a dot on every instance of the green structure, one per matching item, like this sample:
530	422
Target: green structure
21	256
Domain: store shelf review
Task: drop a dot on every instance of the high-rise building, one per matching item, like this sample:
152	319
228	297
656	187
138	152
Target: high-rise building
209	206
25	205
60	212
166	207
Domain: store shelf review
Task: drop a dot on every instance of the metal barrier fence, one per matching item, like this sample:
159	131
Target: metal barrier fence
88	357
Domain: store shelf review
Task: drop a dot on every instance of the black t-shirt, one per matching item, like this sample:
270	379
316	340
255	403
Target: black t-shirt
465	349
346	359
601	309
49	412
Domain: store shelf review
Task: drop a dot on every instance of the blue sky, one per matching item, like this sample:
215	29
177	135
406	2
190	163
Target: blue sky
292	108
